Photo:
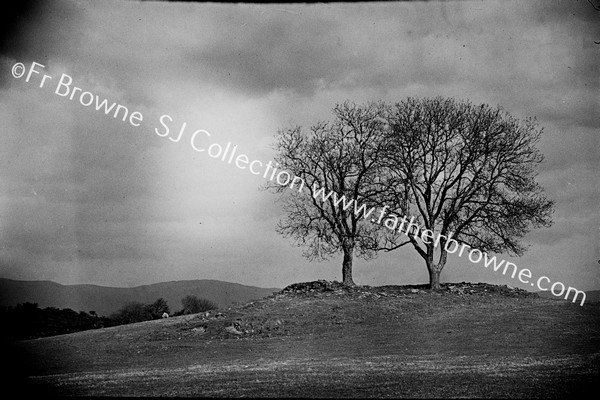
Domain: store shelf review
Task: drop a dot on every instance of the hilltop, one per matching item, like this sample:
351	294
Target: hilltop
321	339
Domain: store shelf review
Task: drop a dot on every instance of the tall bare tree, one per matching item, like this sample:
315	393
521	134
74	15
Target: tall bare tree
339	158
467	173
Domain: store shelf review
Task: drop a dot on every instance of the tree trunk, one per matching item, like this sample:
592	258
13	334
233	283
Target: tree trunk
434	278
435	270
347	266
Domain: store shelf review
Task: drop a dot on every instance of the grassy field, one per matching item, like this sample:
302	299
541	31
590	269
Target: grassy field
325	341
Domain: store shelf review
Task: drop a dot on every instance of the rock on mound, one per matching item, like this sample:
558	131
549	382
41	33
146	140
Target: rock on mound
318	286
466	288
321	288
325	288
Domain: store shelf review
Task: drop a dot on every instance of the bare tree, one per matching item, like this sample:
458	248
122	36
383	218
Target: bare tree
131	312
338	163
158	308
194	305
466	173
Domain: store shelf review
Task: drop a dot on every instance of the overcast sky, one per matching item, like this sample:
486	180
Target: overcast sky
87	198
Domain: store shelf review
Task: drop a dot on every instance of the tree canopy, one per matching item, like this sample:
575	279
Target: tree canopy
337	161
468	173
462	173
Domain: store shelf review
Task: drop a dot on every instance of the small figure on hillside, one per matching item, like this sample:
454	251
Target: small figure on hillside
165	315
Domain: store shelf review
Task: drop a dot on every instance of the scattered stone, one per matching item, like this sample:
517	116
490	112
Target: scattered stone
199	329
324	288
232	329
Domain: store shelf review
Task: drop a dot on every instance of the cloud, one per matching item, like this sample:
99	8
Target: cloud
301	51
87	198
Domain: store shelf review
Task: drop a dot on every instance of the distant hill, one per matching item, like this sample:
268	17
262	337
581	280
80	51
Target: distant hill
106	300
591	296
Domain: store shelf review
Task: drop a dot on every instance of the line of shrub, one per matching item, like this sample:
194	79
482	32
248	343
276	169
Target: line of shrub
29	321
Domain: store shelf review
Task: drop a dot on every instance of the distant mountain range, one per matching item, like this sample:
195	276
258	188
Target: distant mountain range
106	300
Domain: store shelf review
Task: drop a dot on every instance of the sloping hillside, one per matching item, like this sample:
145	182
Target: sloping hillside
105	300
591	296
321	339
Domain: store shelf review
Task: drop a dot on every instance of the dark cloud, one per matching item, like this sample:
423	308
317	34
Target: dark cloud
280	52
20	38
550	12
310	49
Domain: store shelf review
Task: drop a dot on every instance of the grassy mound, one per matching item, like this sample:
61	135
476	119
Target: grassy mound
322	339
322	306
